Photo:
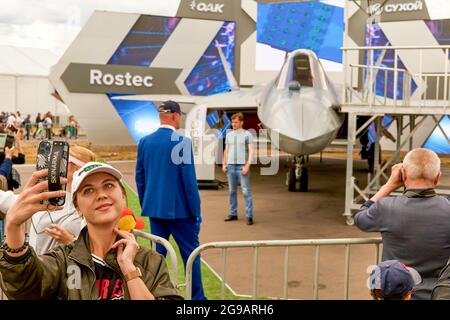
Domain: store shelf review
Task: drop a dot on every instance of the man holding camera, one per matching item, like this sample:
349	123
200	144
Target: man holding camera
415	226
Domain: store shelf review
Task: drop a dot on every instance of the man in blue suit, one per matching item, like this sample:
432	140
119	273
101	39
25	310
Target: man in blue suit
167	188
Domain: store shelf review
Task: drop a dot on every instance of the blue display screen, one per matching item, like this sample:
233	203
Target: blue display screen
144	41
140	117
140	47
376	37
315	26
208	77
437	141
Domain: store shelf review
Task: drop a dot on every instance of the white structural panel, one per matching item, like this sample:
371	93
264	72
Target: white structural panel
96	44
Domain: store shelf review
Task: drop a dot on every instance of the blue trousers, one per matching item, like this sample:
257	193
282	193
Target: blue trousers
185	232
234	175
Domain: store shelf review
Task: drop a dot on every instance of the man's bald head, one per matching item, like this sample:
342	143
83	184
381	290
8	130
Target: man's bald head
422	164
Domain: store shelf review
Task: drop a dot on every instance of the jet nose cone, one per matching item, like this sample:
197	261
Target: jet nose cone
307	119
306	123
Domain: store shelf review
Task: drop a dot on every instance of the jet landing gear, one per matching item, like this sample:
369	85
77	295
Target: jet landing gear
298	174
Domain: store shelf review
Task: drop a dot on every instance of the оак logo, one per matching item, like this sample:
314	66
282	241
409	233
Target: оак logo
206	7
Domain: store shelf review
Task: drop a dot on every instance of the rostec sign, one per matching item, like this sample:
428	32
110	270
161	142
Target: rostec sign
207	7
396	7
96	78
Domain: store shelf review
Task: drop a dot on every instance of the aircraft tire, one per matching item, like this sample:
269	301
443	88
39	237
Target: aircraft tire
292	181
304	180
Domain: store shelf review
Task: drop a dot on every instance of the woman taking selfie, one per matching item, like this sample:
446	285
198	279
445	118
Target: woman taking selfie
50	229
103	263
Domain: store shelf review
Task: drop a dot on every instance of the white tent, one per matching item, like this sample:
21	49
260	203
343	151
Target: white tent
24	84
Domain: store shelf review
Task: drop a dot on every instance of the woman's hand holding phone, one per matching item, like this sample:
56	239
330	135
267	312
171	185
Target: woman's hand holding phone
31	199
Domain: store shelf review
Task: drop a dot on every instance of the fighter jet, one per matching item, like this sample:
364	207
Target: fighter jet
301	104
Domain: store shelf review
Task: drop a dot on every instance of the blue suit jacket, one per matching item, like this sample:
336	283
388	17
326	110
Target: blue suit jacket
165	176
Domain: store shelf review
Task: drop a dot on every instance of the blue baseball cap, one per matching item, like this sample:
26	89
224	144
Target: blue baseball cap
170	107
393	278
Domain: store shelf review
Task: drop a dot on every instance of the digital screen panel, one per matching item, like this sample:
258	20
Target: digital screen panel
141	46
376	37
287	26
208	76
437	141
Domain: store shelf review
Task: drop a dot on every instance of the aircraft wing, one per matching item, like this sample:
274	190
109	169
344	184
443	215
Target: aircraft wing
159	98
234	99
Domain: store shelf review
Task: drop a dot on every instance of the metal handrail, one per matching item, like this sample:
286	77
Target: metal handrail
376	68
420	98
225	245
173	270
396	47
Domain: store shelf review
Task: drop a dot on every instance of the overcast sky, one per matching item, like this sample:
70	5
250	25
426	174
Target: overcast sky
53	24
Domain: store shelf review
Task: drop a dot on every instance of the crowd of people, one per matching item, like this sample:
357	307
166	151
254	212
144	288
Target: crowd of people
82	234
42	127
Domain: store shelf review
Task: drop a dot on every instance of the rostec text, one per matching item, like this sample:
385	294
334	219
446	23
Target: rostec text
97	77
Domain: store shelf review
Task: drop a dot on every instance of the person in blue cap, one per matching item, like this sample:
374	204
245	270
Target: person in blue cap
168	190
392	280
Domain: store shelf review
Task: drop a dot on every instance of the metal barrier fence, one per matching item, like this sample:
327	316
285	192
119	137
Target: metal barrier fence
173	268
286	244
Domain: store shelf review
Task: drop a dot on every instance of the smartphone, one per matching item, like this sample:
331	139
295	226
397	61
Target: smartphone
10	141
6	140
54	156
43	152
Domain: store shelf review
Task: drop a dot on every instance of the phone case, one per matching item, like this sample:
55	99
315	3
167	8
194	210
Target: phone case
45	150
63	147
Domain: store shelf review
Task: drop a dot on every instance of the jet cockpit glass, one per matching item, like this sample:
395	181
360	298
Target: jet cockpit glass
302	70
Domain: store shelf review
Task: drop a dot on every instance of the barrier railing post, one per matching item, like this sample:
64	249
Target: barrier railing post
286	272
224	273
316	273
346	271
377	254
255	271
173	270
277	243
